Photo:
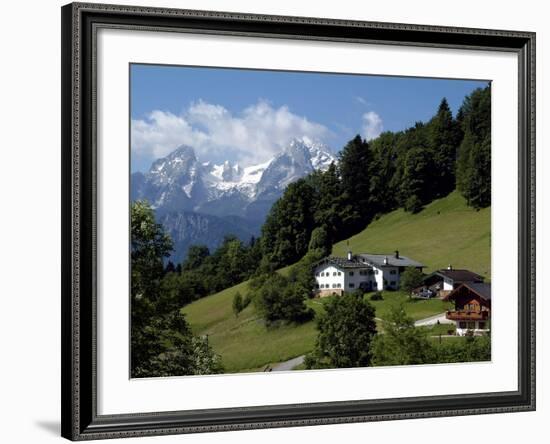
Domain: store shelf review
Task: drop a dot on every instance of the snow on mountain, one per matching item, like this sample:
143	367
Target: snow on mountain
180	183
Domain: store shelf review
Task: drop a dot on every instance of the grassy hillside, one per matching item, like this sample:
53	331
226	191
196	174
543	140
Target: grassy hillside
244	342
446	231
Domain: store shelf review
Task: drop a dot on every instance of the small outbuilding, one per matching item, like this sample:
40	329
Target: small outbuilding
441	282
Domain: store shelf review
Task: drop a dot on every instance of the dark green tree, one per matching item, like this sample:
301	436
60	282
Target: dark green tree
332	209
320	241
402	343
383	187
355	167
444	138
410	279
287	229
346	330
279	298
170	268
473	177
237	303
416	187
161	342
196	256
149	246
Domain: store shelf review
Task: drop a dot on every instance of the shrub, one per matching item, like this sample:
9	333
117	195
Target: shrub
377	296
237	303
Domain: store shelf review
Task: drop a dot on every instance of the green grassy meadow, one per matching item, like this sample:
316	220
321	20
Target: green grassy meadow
446	231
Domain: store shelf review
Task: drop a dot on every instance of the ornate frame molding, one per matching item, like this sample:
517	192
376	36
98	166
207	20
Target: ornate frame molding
79	413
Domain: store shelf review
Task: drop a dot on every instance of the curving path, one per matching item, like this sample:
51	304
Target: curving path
288	365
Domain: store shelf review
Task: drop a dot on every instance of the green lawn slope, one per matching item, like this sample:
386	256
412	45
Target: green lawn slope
446	231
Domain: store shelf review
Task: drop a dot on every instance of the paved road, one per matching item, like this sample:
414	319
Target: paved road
288	365
432	320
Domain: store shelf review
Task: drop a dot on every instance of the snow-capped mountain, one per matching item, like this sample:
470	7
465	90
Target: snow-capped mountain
181	184
180	181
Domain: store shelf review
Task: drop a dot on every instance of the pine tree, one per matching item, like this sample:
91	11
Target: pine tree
355	167
416	187
444	139
287	229
473	176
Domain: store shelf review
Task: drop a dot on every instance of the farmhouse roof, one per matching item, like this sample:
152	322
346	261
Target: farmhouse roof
342	262
460	275
389	260
482	289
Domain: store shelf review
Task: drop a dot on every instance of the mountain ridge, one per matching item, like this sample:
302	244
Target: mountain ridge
180	183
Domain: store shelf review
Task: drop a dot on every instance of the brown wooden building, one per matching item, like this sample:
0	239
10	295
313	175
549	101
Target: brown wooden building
472	311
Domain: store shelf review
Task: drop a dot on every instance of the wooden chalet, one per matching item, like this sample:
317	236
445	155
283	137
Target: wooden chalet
472	310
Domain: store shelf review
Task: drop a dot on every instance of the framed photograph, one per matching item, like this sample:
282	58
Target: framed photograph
281	221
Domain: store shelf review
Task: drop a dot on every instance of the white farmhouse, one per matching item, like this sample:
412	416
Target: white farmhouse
369	272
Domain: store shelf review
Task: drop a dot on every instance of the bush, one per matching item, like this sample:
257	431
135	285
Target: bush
237	304
377	296
279	298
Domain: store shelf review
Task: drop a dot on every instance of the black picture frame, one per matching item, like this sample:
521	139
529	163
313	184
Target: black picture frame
80	420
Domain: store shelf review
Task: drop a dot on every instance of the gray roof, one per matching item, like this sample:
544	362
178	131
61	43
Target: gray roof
342	262
482	289
393	260
460	275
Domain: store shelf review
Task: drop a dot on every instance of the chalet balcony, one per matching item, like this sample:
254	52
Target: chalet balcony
467	315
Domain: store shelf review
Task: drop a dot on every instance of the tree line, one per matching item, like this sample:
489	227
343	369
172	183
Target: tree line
406	169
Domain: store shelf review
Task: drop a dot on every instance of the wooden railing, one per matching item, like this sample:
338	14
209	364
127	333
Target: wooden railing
467	315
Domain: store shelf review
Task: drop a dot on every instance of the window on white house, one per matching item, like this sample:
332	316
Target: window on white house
339	285
334	273
333	285
339	274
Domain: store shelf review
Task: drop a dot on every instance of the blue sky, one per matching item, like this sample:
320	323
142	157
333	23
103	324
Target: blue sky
248	115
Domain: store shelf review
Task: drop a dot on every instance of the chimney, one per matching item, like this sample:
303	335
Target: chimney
386	260
450	267
350	255
397	254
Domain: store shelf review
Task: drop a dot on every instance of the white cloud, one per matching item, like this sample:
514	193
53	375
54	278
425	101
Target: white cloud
372	125
253	135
